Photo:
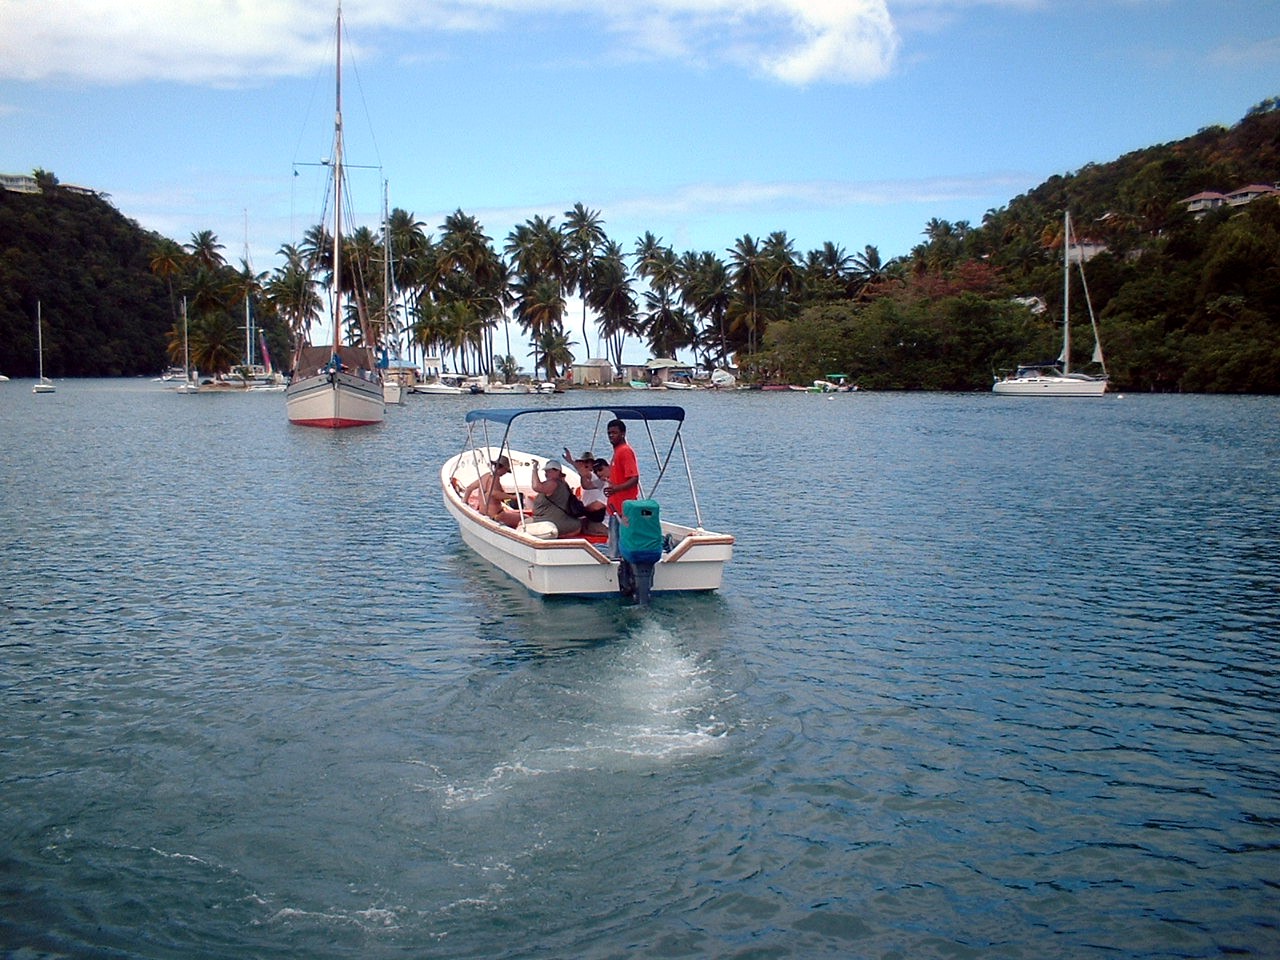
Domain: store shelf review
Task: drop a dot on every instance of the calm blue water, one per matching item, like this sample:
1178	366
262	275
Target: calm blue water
988	678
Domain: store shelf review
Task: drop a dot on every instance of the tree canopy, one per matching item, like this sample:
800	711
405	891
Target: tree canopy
1185	301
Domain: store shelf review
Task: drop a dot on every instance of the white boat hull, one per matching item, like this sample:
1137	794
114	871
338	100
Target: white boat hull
1050	387
335	400
577	567
392	391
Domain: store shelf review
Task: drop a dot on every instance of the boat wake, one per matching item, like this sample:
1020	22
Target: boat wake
626	706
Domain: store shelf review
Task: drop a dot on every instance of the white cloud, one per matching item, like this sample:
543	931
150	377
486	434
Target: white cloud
237	42
704	198
100	41
1257	53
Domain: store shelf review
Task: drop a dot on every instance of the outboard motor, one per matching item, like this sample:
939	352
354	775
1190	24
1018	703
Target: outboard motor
640	543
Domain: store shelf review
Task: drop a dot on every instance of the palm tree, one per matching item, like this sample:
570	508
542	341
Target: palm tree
208	291
537	249
748	277
469	272
782	274
292	292
214	342
540	311
828	272
555	347
205	250
584	235
168	261
362	258
705	289
667	327
612	298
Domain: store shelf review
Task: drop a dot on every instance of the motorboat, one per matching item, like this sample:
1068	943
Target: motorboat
692	558
498	386
1054	378
445	385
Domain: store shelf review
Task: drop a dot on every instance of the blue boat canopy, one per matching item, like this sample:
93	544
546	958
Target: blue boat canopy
622	412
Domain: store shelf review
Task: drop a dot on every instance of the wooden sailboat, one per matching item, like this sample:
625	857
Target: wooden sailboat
336	385
1055	378
43	384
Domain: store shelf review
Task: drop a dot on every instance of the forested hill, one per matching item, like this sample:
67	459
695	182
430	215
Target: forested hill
1185	301
105	313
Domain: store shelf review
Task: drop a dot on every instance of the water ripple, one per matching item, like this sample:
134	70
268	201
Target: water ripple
988	680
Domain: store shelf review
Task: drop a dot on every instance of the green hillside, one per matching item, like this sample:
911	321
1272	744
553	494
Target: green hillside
1185	302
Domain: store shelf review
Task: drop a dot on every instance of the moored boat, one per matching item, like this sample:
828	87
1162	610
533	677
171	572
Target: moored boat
336	385
189	385
445	385
43	384
691	558
1054	378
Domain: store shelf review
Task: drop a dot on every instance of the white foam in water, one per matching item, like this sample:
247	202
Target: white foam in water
647	702
665	695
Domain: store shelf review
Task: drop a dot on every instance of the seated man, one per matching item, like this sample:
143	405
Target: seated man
591	492
493	498
552	501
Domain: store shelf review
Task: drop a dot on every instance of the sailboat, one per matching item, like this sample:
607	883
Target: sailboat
392	386
188	385
1054	378
336	385
44	384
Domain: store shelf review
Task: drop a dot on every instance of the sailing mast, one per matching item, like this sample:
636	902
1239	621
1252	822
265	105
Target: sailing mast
337	196
386	276
248	288
1065	357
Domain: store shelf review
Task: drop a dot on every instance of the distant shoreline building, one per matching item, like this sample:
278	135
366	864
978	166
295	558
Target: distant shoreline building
25	183
1207	201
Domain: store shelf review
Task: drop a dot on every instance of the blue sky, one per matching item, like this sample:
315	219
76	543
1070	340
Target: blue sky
699	120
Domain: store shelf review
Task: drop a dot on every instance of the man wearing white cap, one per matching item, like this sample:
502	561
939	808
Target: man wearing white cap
552	501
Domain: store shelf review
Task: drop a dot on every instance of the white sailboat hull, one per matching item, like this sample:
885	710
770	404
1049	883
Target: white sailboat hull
1050	387
334	399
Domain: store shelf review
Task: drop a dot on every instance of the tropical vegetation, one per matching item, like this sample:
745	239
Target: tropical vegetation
1185	302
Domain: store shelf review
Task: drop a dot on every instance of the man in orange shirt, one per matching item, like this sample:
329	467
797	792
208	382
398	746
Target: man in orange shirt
624	479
